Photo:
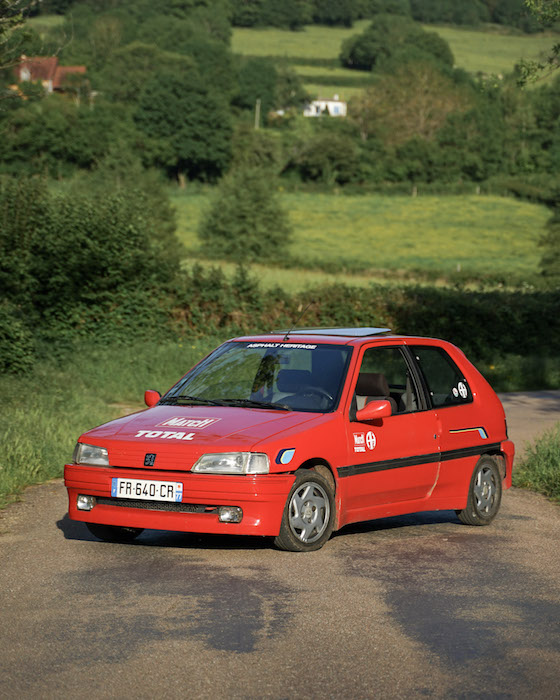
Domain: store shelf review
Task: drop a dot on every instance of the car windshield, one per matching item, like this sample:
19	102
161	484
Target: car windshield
276	375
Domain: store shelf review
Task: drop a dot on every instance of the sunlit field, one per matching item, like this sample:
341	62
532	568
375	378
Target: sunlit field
434	234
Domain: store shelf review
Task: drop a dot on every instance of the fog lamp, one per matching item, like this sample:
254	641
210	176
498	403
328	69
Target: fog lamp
230	514
85	502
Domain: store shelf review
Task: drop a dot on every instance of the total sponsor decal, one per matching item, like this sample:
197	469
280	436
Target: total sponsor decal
165	434
364	440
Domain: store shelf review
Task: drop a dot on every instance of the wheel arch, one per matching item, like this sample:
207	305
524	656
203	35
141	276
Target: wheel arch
500	460
324	469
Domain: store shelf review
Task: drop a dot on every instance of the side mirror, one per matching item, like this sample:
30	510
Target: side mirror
374	411
151	397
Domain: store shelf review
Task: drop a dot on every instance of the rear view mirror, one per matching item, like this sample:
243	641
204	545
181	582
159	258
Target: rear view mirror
374	410
151	397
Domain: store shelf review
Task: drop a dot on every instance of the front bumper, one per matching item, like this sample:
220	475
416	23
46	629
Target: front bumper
262	499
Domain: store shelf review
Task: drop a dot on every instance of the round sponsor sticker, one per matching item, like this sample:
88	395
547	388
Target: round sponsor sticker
462	390
455	392
371	440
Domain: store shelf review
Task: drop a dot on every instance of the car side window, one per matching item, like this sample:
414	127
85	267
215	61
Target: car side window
384	374
446	384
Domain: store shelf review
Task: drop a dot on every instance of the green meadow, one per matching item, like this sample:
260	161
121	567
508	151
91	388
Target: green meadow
382	235
489	50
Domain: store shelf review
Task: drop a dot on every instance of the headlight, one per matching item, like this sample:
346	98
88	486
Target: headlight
233	463
91	455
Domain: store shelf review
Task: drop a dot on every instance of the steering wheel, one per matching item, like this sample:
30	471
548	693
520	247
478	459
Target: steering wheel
316	391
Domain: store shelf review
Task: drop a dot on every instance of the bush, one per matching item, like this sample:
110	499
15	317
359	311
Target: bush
540	468
245	220
76	263
16	342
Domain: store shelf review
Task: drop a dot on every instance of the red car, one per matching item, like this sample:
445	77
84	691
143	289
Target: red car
296	434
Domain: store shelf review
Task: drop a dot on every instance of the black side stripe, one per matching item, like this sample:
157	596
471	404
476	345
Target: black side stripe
416	460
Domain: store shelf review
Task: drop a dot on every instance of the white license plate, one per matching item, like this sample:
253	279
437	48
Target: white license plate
147	490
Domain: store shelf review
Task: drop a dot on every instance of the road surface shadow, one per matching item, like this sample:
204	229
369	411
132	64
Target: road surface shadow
75	530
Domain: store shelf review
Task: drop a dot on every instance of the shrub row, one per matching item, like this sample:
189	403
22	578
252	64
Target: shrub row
483	323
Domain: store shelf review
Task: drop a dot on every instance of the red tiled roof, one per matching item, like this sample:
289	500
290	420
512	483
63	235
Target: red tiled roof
63	71
39	67
47	68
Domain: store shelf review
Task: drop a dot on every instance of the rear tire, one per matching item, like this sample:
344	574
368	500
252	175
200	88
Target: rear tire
308	519
114	533
485	494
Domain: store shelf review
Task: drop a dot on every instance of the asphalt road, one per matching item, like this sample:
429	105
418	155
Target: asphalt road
397	608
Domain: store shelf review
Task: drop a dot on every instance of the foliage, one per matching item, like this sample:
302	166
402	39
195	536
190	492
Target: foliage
387	36
55	136
256	81
245	221
443	11
133	65
17	347
550	242
289	14
327	157
412	102
74	263
10	18
186	126
334	12
546	12
539	470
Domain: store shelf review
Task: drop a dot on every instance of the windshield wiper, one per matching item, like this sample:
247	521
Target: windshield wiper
252	403
185	398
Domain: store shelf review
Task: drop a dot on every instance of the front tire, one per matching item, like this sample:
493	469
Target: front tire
308	518
114	533
485	494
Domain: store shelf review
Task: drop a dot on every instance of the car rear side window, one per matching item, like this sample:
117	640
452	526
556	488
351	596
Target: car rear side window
446	384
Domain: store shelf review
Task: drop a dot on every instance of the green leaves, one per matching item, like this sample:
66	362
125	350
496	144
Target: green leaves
245	221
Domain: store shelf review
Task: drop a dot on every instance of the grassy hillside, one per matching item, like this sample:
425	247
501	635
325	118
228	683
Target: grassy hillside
484	51
424	233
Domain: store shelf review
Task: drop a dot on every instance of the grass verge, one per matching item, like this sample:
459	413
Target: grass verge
44	413
540	468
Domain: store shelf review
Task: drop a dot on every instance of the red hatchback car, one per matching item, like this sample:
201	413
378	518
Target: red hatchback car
296	434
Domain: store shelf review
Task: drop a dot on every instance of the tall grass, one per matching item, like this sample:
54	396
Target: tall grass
45	412
540	468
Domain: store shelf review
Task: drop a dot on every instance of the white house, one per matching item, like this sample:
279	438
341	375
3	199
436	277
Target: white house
330	107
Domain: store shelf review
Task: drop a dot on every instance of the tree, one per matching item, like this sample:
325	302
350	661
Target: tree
186	126
547	12
386	37
334	12
256	81
414	102
11	16
63	256
330	157
245	220
133	65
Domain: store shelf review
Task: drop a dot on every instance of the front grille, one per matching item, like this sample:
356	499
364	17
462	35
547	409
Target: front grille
157	505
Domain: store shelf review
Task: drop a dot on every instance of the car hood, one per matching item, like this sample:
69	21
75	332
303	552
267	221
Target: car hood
179	435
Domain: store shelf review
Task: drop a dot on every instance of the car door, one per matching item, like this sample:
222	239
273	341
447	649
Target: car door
464	435
394	459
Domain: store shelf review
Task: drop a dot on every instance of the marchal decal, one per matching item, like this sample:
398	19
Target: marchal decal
187	422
